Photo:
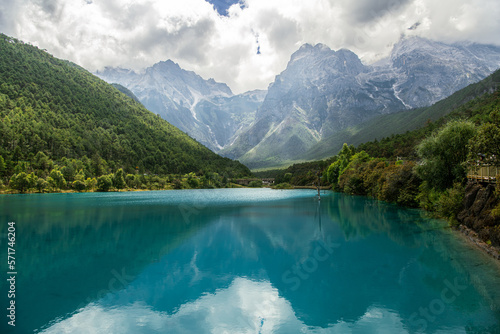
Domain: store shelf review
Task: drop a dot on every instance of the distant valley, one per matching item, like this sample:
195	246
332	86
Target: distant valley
321	94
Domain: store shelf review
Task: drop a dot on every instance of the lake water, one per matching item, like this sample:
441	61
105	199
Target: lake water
239	261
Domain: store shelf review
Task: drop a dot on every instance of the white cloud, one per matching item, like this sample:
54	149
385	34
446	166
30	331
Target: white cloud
246	306
137	34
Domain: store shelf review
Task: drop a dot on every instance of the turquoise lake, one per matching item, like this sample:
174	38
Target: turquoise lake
239	261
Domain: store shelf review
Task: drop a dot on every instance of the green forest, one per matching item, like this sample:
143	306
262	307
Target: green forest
62	128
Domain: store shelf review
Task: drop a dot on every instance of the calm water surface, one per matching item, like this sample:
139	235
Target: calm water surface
240	261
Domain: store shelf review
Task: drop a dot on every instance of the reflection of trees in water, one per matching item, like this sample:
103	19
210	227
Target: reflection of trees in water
48	237
447	251
82	249
360	217
444	256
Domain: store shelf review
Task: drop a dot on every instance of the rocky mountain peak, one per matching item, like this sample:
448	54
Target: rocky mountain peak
321	58
307	50
320	92
167	66
323	91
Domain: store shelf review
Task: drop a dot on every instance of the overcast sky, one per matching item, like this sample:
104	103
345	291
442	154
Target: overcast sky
244	44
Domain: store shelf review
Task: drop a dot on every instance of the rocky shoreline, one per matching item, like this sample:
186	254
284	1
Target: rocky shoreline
474	238
476	221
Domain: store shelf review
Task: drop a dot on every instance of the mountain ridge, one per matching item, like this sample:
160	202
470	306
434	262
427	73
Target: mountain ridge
188	101
321	92
397	123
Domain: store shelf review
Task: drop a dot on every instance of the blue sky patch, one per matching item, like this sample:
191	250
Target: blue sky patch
222	5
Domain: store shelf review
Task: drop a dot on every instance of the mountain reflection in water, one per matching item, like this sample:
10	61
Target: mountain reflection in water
243	261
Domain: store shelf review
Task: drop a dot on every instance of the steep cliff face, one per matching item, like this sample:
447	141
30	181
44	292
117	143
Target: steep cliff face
476	215
322	92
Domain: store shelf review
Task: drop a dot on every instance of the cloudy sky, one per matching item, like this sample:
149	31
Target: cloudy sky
243	43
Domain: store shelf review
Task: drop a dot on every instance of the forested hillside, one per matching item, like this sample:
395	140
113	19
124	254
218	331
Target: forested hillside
53	110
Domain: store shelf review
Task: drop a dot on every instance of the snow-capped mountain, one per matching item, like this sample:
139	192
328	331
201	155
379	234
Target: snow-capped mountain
427	71
205	109
320	92
323	91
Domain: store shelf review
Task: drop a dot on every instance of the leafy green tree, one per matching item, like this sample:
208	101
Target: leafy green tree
104	183
21	166
99	165
119	179
450	203
132	181
283	185
351	179
42	162
443	154
79	183
3	166
486	143
217	179
177	183
17	154
41	184
90	183
371	174
255	184
32	180
51	183
337	168
57	179
193	181
68	172
204	181
20	182
399	184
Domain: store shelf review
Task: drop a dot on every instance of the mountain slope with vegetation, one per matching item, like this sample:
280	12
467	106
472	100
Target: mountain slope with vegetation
51	109
205	109
398	123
